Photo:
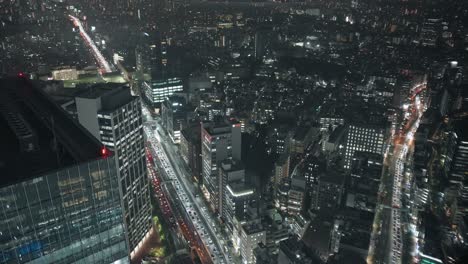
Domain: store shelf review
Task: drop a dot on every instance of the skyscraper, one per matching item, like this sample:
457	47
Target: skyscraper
229	171
59	190
221	140
114	117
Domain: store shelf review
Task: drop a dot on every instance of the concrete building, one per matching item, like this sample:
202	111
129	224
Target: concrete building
221	140
281	170
114	117
251	235
230	171
299	225
236	200
296	194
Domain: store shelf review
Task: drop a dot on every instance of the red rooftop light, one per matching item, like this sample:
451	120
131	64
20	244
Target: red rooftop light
21	75
104	151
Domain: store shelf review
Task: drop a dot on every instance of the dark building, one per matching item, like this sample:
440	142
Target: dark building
364	181
459	164
190	150
330	191
60	192
173	116
294	251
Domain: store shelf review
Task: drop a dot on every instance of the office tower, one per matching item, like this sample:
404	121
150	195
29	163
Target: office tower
59	190
221	140
174	115
158	90
229	171
234	193
364	137
114	117
236	200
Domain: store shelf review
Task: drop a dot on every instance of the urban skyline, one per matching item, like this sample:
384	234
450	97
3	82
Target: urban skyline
269	132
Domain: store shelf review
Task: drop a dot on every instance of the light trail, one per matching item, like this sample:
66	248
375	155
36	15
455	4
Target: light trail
103	64
399	177
195	214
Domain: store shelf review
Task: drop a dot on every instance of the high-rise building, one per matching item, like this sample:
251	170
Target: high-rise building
236	200
229	171
60	195
364	137
174	115
221	140
157	91
114	117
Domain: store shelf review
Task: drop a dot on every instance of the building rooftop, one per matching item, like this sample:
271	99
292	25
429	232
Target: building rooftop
114	95
37	136
239	189
192	133
333	176
219	126
252	228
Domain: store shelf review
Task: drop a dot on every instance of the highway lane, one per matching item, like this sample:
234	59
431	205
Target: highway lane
185	198
105	67
387	243
190	189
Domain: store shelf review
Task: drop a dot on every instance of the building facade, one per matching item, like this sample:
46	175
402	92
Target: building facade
173	114
158	90
366	138
221	140
114	117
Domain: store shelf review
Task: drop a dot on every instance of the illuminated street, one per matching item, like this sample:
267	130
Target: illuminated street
387	243
103	64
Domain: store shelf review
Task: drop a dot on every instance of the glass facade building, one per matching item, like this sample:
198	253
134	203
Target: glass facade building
68	216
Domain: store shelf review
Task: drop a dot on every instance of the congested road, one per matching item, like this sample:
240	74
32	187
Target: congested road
387	241
194	213
105	67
